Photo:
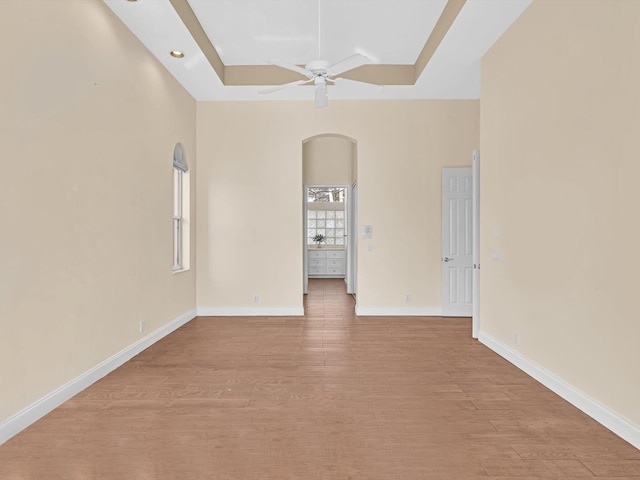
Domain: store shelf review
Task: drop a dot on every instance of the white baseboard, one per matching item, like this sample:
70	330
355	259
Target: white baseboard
251	312
614	422
30	414
399	311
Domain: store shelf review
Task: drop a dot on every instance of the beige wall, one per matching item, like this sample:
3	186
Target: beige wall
560	120
88	124
249	235
328	160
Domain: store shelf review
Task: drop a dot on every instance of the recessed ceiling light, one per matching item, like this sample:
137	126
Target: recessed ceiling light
176	53
132	1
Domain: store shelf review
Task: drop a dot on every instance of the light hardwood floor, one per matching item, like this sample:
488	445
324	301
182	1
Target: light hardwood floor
325	396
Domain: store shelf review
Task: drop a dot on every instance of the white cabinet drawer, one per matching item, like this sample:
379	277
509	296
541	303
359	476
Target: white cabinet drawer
326	263
316	262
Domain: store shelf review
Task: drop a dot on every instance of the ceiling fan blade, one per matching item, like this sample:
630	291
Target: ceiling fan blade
282	87
322	100
354	61
291	66
340	80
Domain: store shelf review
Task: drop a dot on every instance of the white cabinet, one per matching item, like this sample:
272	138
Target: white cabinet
326	263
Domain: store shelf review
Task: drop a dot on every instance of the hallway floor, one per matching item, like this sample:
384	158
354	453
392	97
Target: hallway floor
325	396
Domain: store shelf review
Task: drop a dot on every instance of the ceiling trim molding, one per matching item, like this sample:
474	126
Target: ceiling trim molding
184	11
447	17
382	74
256	75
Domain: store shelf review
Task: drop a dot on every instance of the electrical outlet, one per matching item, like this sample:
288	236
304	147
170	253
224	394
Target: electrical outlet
516	338
256	299
141	326
407	298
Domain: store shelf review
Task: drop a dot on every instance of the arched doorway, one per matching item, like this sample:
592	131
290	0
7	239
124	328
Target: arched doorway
329	166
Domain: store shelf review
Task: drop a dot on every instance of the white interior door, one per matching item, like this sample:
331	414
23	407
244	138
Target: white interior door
457	242
476	243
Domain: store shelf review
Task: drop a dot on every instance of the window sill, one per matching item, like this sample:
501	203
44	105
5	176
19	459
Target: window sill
180	269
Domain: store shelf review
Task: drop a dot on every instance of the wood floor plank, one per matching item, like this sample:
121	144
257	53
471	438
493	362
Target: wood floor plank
327	396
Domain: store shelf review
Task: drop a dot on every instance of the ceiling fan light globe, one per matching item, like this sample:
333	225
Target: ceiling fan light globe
321	98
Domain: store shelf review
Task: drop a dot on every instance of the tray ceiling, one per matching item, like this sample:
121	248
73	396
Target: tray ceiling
418	48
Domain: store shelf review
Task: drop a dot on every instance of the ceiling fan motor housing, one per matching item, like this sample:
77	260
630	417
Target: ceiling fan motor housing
317	66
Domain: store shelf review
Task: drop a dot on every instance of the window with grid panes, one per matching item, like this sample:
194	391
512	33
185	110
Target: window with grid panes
330	223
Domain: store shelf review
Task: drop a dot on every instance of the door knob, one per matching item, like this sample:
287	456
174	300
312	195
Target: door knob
447	259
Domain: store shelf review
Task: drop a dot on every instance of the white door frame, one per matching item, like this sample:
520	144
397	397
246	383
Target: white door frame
305	266
475	166
352	240
348	249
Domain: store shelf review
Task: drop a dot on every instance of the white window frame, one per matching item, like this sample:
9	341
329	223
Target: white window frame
181	211
178	220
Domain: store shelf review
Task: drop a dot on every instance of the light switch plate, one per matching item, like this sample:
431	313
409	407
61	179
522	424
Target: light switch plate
367	231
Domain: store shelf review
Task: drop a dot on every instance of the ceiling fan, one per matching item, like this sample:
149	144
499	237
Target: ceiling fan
320	72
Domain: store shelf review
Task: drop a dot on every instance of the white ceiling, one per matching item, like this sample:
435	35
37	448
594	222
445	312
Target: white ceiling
250	32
